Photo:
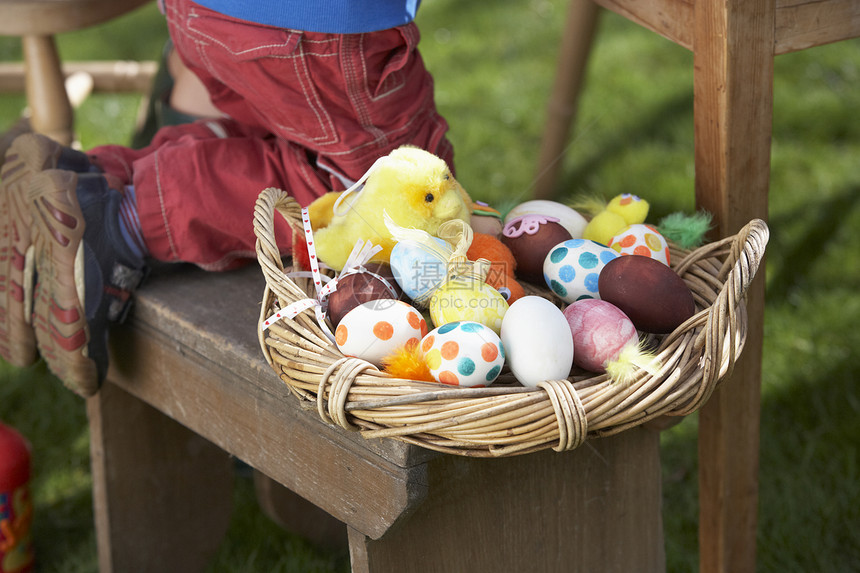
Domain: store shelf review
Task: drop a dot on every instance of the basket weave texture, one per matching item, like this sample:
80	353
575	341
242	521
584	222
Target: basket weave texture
506	418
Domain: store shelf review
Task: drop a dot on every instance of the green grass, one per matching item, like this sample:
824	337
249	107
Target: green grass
493	70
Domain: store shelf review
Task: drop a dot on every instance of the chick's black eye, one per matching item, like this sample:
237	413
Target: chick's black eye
446	177
428	197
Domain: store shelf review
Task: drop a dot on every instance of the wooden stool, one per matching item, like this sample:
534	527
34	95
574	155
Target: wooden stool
733	43
37	22
188	386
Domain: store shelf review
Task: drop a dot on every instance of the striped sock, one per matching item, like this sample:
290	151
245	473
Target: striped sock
129	223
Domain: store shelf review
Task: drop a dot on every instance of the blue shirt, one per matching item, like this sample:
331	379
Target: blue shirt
328	16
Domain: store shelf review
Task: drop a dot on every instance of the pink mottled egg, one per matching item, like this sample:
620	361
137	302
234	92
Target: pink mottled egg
600	331
641	239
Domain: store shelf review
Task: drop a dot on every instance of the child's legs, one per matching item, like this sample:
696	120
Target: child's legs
346	98
196	188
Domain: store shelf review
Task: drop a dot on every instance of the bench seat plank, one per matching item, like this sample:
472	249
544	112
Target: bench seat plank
190	350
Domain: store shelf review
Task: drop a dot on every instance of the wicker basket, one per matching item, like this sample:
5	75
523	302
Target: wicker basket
505	418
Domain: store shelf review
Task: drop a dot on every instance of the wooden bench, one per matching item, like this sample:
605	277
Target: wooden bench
188	387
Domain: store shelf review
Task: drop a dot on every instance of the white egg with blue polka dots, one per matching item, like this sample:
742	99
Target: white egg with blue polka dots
571	268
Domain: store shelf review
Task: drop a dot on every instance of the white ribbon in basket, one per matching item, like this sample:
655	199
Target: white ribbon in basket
361	253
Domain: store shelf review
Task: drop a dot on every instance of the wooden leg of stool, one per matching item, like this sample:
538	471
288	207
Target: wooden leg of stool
297	515
573	55
733	58
597	508
50	110
162	494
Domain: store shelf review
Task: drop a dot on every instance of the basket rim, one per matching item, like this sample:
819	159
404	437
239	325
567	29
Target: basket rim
506	418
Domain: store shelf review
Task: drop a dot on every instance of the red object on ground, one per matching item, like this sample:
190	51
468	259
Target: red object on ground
16	509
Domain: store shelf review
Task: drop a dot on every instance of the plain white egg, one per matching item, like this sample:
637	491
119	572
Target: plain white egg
537	340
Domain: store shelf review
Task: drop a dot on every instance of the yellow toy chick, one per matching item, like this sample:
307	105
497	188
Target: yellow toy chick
414	187
621	211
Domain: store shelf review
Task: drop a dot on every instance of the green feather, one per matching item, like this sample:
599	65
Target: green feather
686	231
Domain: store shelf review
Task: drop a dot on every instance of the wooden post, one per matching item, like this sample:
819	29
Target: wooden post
108	76
733	61
162	494
297	515
574	50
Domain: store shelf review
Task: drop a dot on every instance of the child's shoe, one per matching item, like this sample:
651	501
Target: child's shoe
85	273
27	155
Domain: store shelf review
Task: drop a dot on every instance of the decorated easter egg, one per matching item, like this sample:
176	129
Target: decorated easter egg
530	238
463	354
600	332
572	268
486	220
466	298
375	329
655	298
418	271
567	217
641	239
372	281
537	341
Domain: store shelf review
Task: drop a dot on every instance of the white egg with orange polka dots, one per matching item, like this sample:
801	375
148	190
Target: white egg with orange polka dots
464	354
373	330
641	239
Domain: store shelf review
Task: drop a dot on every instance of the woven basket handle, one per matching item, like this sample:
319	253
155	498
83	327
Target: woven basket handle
745	258
268	253
748	248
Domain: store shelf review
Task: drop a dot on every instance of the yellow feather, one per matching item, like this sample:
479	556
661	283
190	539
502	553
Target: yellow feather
630	360
590	204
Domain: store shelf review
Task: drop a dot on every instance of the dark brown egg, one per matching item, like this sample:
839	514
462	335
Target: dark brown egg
530	238
653	295
358	288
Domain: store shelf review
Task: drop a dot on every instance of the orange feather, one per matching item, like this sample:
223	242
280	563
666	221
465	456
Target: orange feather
407	362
